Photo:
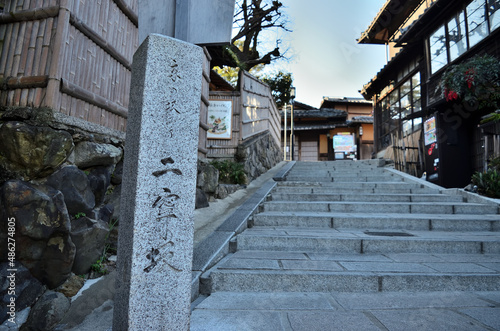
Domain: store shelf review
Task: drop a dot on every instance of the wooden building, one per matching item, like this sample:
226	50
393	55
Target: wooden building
414	123
314	130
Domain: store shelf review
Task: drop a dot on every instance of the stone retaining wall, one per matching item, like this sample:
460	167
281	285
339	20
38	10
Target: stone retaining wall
60	181
258	155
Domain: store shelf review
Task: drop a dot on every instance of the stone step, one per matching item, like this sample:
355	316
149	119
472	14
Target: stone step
336	173
304	271
366	197
345	179
421	222
354	190
357	186
378	207
280	311
350	241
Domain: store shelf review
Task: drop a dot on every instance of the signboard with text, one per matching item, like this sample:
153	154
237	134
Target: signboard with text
219	119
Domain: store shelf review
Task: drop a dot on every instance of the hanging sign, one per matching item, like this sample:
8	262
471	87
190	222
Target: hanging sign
220	115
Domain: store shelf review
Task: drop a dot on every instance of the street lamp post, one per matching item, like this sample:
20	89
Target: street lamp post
292	138
284	135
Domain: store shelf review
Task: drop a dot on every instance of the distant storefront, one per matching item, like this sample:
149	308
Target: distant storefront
342	128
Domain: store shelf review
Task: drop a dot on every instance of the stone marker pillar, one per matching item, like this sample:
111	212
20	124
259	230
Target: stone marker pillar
158	192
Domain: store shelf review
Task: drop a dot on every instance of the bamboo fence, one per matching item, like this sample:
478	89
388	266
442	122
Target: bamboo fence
73	56
254	113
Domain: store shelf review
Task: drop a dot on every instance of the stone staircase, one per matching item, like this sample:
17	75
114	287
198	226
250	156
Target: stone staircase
355	227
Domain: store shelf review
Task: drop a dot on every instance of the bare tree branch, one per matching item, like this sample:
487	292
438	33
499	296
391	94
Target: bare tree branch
251	18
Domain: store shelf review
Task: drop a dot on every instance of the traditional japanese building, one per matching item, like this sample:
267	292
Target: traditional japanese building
341	121
414	123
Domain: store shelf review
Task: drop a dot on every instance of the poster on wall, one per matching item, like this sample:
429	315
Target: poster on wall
219	117
430	131
344	142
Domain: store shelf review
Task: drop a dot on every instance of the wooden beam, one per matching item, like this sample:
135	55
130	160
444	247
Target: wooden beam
132	16
92	98
96	38
29	15
13	83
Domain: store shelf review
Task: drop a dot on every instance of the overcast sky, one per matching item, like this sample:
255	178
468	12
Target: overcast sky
327	60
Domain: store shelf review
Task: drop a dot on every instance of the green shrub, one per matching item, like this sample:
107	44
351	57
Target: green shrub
230	172
494	163
488	182
78	215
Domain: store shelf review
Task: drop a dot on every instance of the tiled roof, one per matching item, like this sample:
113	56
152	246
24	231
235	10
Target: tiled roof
218	83
345	100
362	119
323	113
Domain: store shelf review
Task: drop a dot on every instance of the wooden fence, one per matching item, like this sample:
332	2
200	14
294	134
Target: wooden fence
407	153
254	113
73	56
202	140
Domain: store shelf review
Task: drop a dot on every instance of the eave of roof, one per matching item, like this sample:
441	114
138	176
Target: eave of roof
218	83
388	20
362	119
326	126
302	106
323	113
436	12
328	102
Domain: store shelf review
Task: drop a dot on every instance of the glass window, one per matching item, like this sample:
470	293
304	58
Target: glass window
417	105
439	57
457	36
405	106
417	123
416	92
407	127
415	80
476	19
406	87
494	14
394	104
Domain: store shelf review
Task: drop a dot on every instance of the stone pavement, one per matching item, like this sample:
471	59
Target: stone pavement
354	246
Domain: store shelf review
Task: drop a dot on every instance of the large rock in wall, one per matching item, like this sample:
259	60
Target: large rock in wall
45	181
75	186
42	230
91	154
30	151
258	155
89	237
52	172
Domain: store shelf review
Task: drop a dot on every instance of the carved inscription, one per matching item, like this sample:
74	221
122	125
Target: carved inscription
164	204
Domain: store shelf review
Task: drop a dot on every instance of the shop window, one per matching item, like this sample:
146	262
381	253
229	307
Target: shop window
405	106
416	92
397	108
476	19
439	57
407	127
463	31
417	123
494	13
457	36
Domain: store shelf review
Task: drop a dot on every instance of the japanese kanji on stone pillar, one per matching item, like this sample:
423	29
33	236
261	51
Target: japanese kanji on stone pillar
155	244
